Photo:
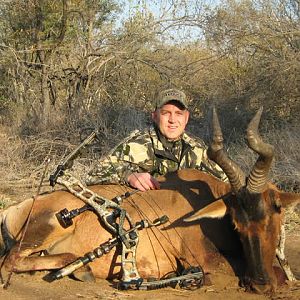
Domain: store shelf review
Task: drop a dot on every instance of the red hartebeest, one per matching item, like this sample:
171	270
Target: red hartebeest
249	232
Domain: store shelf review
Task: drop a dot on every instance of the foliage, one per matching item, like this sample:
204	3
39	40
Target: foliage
69	65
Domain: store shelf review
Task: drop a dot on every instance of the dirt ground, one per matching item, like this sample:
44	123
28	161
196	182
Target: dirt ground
26	286
224	286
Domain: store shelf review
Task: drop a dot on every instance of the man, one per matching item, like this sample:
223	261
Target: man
165	147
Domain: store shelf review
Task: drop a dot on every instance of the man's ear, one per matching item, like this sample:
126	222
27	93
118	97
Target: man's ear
187	117
155	116
217	209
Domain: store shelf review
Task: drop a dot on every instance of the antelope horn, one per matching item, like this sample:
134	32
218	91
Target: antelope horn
259	174
216	153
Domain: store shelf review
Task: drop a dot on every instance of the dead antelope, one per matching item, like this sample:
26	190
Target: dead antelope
235	228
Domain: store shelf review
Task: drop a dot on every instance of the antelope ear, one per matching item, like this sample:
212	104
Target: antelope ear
217	209
287	199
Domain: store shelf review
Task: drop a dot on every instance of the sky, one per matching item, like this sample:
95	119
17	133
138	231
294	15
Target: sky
167	10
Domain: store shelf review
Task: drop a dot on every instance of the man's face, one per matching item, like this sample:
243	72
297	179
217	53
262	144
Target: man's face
171	120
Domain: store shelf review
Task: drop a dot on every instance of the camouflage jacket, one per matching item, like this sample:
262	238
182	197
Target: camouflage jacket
149	151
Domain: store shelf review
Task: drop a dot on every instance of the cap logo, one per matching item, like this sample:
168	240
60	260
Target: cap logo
173	94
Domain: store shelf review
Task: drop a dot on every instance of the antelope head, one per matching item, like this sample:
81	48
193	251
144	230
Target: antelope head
255	206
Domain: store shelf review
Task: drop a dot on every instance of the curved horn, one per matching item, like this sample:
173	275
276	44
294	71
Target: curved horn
216	153
259	175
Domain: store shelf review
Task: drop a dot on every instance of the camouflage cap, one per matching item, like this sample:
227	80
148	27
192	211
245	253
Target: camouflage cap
171	95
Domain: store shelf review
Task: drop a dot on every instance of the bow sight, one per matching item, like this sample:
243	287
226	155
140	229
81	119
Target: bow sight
65	216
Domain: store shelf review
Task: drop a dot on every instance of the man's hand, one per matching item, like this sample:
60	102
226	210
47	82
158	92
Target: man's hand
143	181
